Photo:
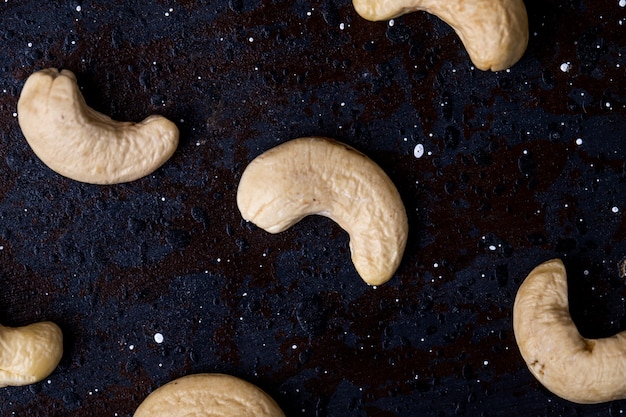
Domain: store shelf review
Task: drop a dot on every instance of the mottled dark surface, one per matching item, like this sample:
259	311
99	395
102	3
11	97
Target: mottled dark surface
503	186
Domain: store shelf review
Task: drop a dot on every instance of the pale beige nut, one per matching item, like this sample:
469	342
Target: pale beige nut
30	353
494	32
321	176
82	144
573	367
208	395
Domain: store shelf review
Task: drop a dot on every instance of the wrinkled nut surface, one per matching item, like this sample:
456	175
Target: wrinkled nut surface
208	395
580	370
321	176
494	32
30	353
82	144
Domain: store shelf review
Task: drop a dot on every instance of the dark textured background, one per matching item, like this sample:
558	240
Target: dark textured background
169	254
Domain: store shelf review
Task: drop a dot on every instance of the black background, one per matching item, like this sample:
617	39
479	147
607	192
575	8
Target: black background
502	187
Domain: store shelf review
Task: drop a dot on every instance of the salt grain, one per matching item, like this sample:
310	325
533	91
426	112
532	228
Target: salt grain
419	150
158	337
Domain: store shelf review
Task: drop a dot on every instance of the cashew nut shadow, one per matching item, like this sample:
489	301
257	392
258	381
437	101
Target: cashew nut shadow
494	32
575	368
321	176
82	144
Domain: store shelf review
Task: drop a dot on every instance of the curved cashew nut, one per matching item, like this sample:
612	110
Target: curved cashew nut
206	395
30	353
494	32
321	176
580	370
82	144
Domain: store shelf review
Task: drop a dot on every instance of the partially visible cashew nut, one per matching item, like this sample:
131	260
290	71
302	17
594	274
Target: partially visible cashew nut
494	32
321	176
30	353
208	395
82	144
578	369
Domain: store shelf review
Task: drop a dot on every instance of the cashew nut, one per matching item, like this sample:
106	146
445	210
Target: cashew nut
578	369
207	395
321	176
494	32
30	353
82	144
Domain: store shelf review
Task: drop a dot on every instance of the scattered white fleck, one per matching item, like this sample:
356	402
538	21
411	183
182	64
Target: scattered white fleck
30	44
485	363
579	141
131	347
622	3
250	39
342	26
492	247
585	272
14	114
615	209
78	8
418	152
566	66
158	337
392	22
436	265
294	347
245	294
162	198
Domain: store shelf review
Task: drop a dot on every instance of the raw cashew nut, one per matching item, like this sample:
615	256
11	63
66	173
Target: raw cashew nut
82	144
208	395
321	176
494	32
30	353
580	370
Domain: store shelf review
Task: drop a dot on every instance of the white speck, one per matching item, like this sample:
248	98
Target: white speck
608	104
30	44
131	347
14	114
162	198
586	272
342	26
622	3
492	247
614	210
250	39
78	8
485	363
579	141
418	152
566	66
392	22
245	294
294	347
158	337
436	265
